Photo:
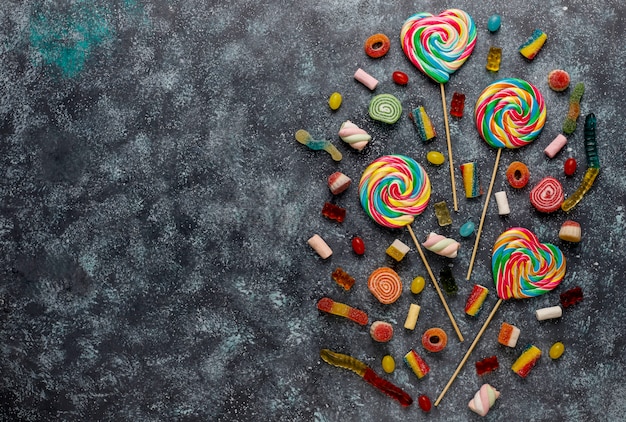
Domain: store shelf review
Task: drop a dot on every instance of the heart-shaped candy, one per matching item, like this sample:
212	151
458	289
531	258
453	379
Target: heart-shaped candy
438	45
523	267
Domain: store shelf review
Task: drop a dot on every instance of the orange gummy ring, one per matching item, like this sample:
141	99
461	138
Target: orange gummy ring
517	174
434	340
385	285
377	45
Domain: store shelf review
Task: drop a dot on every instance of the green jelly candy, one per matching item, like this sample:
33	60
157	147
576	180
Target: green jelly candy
447	281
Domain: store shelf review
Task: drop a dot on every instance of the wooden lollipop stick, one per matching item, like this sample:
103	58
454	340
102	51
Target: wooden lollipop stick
482	217
469	351
445	120
432	277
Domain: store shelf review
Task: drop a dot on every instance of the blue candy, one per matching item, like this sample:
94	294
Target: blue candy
467	229
493	24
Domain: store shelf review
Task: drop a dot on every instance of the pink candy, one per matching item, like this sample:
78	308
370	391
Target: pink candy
338	182
555	146
366	79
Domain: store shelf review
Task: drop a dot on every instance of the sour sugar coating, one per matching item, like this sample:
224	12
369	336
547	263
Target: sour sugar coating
517	174
422	123
533	44
510	113
569	125
509	334
547	196
442	245
438	45
476	300
381	331
385	285
527	360
417	364
305	138
558	80
393	190
523	267
471	183
353	135
328	305
484	400
385	108
435	340
377	45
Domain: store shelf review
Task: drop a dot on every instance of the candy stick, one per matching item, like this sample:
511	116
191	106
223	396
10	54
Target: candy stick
522	268
393	190
438	46
509	113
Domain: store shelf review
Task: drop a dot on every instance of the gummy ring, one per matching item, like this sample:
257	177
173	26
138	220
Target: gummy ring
385	285
377	45
517	174
434	340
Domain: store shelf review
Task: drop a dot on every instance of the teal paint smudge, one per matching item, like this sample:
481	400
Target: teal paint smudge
66	40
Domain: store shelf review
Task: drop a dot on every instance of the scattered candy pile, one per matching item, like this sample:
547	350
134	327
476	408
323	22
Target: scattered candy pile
393	189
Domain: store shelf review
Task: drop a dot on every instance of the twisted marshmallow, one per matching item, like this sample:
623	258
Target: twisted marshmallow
484	399
442	245
356	137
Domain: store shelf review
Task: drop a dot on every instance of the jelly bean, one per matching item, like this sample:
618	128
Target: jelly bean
570	166
435	157
557	349
424	403
467	229
493	24
389	364
358	246
334	102
417	285
400	78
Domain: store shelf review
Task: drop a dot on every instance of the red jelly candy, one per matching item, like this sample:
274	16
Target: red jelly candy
333	212
358	246
571	297
487	365
400	78
457	105
424	403
570	166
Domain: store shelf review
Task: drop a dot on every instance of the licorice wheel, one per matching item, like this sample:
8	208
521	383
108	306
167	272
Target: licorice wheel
435	340
377	45
385	285
548	195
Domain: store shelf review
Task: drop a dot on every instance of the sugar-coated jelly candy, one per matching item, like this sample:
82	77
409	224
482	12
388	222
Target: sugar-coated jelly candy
447	281
569	167
570	231
381	331
570	123
377	45
533	44
358	246
417	364
424	403
558	80
423	124
334	102
509	334
328	305
493	24
342	278
435	340
557	349
389	364
457	105
467	229
487	365
517	174
400	78
571	297
417	285
494	57
435	157
527	360
334	212
338	182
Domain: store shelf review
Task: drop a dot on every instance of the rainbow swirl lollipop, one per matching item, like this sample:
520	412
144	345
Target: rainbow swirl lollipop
393	189
523	267
438	45
510	113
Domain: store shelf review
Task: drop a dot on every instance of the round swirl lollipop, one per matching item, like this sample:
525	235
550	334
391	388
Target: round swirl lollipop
393	190
438	46
509	113
523	267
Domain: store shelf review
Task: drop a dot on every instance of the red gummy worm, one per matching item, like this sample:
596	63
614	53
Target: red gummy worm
388	388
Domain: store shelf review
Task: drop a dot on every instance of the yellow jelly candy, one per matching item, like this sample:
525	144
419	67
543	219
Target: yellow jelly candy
389	365
417	285
334	102
556	350
435	157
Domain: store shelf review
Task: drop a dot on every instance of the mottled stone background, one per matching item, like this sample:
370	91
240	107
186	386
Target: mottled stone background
155	209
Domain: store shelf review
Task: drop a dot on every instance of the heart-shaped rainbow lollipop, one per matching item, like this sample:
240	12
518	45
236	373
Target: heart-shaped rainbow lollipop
438	46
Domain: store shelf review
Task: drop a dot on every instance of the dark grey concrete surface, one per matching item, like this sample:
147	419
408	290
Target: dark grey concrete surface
155	208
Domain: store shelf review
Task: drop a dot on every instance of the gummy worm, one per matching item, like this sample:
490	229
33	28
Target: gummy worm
348	362
569	125
305	138
593	164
